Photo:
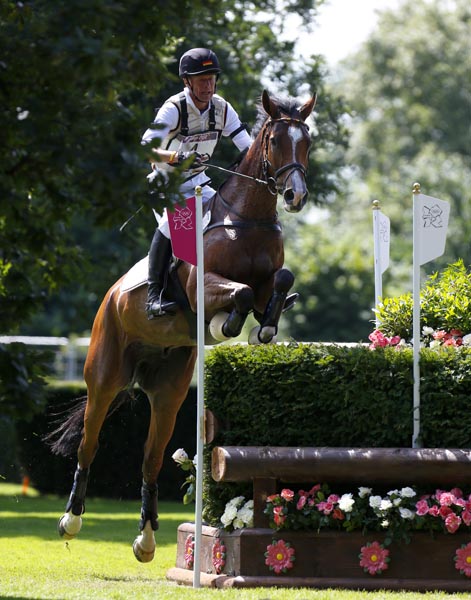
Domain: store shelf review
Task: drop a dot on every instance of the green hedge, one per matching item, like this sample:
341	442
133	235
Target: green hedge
328	395
117	469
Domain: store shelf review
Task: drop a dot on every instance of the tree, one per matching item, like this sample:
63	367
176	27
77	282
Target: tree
407	90
79	82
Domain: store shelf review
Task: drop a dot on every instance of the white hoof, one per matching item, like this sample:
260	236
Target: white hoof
216	325
265	335
69	525
144	544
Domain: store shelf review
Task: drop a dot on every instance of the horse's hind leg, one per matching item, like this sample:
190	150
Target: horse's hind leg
166	395
268	329
105	377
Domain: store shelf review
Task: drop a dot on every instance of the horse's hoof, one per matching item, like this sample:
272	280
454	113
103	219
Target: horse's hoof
262	335
216	324
143	556
69	525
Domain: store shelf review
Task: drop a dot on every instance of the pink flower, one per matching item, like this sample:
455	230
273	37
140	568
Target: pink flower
272	498
447	499
374	558
463	560
287	494
189	551
439	334
219	556
333	498
394	341
466	516
378	339
434	511
279	556
325	507
301	502
452	522
422	508
313	491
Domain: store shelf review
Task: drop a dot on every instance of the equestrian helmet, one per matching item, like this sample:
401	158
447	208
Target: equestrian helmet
198	61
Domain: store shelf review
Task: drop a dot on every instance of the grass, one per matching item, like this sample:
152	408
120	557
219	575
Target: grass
99	563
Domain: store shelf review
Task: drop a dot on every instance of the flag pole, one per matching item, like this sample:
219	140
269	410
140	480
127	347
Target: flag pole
416	316
377	256
200	387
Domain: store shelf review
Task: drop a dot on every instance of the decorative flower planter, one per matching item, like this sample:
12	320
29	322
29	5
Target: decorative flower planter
255	557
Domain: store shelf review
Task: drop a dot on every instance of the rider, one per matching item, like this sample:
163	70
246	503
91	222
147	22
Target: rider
189	125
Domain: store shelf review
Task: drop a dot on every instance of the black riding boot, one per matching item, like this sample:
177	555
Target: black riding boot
159	257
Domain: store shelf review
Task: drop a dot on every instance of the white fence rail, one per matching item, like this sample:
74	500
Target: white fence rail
69	354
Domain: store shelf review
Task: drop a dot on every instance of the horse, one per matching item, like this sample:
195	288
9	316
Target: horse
243	273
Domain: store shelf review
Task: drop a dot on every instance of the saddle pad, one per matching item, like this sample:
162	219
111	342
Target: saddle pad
136	276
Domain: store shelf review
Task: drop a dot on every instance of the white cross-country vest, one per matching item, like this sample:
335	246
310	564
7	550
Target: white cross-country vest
194	131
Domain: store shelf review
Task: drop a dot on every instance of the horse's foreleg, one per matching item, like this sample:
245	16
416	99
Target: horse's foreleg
166	396
268	329
221	293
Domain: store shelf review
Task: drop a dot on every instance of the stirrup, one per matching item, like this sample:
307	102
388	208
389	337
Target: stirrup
290	301
160	308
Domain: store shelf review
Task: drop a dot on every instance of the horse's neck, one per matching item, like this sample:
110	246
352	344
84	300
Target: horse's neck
251	199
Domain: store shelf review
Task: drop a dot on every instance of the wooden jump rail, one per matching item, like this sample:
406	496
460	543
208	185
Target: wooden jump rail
266	465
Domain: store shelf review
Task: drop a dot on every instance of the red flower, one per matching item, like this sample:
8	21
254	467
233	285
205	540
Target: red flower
463	560
279	556
374	558
278	516
338	514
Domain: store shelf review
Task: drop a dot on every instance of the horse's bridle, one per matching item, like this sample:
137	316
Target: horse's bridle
272	181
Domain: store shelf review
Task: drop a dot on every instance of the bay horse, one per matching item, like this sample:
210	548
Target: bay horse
243	263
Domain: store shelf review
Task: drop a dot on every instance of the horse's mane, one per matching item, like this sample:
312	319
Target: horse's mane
288	106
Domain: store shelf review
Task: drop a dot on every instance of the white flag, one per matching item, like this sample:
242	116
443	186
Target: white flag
431	227
384	238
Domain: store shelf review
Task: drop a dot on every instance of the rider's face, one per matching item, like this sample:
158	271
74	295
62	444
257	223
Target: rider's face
202	88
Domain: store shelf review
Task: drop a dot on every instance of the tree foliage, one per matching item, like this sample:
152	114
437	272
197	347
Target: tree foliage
408	94
79	83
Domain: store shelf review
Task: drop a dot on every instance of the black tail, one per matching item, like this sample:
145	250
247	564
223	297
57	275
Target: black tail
64	440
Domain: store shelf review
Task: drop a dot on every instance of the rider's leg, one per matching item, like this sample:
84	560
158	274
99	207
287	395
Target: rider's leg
159	256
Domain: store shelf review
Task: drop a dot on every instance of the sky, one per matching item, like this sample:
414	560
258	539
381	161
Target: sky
342	25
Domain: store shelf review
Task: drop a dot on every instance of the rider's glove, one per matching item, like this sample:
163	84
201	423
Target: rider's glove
197	159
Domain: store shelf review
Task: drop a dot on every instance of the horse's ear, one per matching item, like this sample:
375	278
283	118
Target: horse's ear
306	109
269	106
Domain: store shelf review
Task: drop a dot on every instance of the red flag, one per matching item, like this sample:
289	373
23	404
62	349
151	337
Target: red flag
183	230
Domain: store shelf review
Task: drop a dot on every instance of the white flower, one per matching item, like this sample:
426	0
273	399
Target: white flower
394	493
466	339
406	513
238	523
195	460
435	343
245	514
427	330
237	501
385	504
407	492
364	491
346	503
229	515
375	501
397	501
180	456
385	524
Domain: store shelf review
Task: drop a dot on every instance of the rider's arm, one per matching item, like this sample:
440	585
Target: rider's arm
236	130
165	121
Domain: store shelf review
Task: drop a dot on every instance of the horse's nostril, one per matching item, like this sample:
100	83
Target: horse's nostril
288	195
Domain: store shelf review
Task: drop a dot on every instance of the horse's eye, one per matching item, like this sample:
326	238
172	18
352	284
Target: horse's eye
274	141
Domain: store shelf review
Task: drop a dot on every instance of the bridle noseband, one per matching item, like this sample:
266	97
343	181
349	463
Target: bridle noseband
272	181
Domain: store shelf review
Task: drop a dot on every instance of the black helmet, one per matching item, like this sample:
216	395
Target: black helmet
197	61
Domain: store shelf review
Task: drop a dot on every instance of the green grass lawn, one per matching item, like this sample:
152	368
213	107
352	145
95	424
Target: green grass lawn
99	563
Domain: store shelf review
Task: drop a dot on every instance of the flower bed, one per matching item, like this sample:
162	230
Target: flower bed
253	557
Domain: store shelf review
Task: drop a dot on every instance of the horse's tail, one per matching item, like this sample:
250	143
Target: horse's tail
64	440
